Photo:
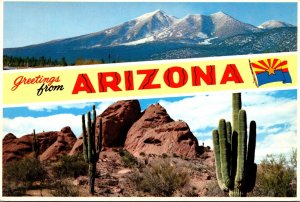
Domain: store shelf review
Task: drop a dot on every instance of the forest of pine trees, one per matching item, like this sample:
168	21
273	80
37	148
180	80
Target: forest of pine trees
12	61
29	62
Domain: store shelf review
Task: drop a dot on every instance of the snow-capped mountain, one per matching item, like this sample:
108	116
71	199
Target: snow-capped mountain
158	26
197	27
271	24
225	26
157	35
142	27
190	28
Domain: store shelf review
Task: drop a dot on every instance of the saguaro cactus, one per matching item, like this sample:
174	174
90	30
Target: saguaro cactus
91	148
235	167
35	145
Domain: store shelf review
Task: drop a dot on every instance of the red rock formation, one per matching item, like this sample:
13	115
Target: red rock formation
63	144
9	136
123	124
77	147
117	120
16	148
22	147
156	133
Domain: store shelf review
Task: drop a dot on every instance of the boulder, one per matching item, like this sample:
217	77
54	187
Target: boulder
77	147
9	136
157	133
152	117
63	144
117	120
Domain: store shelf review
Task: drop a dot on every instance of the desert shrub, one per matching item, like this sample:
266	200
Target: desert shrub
188	191
18	176
9	190
213	189
164	155
25	171
128	159
276	176
142	154
70	166
64	189
199	167
175	155
160	179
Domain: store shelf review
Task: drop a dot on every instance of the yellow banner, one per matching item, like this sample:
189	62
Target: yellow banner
141	79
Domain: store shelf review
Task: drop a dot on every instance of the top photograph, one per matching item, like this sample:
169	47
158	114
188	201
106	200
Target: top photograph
55	34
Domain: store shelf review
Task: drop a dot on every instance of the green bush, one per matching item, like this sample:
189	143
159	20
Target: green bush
25	171
164	155
213	189
64	189
18	176
9	190
128	159
276	176
160	179
70	166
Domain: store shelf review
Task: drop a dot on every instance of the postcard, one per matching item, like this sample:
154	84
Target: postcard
160	100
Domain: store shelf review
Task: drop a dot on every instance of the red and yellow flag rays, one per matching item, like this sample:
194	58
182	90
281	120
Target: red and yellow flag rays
264	65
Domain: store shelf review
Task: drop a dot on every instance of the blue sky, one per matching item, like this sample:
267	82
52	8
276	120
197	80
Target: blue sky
27	23
275	113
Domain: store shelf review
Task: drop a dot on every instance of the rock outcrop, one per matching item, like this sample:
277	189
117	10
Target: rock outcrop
157	133
63	144
117	120
77	147
17	148
9	136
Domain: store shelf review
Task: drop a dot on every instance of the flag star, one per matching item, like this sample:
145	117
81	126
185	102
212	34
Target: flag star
270	70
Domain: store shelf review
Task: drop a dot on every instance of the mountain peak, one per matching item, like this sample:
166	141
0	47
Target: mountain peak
274	24
153	13
220	14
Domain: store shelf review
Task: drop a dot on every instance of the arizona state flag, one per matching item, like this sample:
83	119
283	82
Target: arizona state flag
271	70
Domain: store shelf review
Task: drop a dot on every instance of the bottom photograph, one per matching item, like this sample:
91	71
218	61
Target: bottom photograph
240	144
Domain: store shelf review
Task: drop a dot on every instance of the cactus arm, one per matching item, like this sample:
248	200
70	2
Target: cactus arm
93	130
218	160
35	145
224	152
99	145
236	107
85	144
251	143
250	177
233	162
251	168
229	132
90	138
241	150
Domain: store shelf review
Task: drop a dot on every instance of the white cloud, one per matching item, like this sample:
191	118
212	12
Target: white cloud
20	126
49	108
201	111
281	143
